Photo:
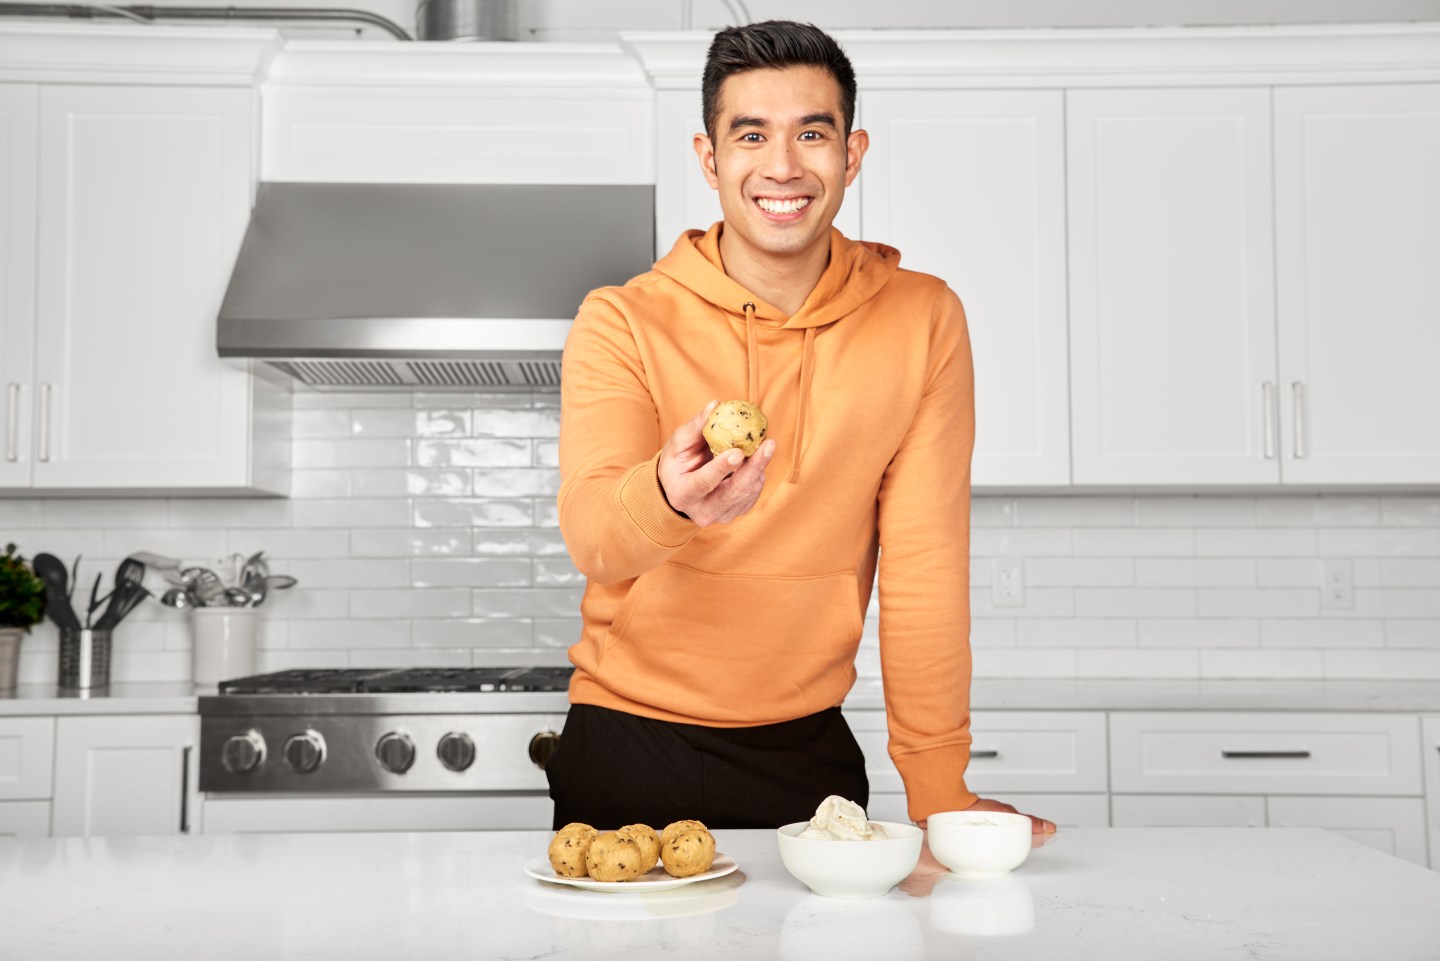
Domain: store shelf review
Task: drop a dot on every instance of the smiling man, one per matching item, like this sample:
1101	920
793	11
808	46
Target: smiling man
725	595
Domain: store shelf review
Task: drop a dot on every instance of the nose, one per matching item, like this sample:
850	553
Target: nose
781	162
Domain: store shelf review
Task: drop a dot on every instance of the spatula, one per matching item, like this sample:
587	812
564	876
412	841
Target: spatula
52	571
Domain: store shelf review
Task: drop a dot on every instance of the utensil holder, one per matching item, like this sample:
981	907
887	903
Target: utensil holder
84	659
224	643
9	657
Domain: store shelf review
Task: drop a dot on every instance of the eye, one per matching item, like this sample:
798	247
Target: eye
812	135
751	137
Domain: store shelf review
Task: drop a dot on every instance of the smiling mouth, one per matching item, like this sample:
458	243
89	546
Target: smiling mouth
789	205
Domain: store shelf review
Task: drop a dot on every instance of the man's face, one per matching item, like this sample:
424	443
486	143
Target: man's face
780	158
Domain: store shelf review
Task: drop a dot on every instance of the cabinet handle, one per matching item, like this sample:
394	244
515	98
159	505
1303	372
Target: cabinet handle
1297	755
12	423
44	423
975	754
1267	396
1297	390
185	789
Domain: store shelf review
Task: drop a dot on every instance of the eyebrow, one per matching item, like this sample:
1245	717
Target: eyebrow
741	122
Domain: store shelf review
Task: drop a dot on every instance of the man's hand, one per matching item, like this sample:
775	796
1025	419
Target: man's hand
1037	825
705	488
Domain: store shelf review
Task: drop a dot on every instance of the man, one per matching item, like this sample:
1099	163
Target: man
726	595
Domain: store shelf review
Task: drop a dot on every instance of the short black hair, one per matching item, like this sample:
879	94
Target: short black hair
774	44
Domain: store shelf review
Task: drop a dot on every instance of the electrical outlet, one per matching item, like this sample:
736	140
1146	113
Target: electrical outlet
1009	589
1337	592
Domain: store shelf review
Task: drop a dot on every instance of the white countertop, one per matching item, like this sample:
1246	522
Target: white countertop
1111	894
987	694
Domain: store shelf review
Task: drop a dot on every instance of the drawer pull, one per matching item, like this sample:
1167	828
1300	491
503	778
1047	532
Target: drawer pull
986	754
1298	755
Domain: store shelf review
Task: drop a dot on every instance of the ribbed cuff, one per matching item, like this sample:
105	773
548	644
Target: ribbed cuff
644	502
935	781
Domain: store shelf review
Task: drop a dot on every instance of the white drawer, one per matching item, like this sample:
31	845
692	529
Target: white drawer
1169	810
1430	736
1013	751
27	748
24	819
1281	753
1394	825
428	812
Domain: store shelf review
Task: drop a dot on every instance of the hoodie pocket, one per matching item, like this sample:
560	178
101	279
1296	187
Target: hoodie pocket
733	647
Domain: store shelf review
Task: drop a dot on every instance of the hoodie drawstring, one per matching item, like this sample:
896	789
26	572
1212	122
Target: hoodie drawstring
807	370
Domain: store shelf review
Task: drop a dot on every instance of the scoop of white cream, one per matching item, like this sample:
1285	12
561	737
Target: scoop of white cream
840	820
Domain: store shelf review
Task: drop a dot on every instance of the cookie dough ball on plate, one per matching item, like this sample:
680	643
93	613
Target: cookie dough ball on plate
613	858
688	853
568	849
735	423
679	827
644	836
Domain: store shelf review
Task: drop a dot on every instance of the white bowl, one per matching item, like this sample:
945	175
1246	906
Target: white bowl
979	844
851	869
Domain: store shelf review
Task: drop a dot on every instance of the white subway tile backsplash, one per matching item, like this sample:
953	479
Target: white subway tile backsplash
1321	632
1198	633
1262	663
1195	511
424	530
1194	572
471	572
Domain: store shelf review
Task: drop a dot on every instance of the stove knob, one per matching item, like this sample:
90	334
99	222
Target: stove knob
396	752
456	751
542	748
305	752
243	753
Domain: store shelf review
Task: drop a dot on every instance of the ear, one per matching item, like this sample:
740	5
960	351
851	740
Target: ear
855	146
705	152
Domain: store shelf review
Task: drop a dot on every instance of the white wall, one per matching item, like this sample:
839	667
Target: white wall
423	531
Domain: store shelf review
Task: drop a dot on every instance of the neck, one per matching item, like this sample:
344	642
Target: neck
782	280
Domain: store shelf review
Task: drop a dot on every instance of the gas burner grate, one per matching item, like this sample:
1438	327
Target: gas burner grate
470	680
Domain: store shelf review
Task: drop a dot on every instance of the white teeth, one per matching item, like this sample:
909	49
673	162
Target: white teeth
782	206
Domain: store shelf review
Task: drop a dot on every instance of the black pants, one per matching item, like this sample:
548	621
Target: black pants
613	769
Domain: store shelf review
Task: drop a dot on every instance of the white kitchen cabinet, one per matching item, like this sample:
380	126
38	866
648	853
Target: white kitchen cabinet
127	775
1393	825
27	746
683	198
24	819
1357	198
17	271
970	186
256	814
1171	286
1430	745
141	196
1200	810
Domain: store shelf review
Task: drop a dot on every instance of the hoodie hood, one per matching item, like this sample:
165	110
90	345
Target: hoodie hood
857	271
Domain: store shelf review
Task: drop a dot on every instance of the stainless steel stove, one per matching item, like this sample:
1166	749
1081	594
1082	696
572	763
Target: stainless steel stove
358	731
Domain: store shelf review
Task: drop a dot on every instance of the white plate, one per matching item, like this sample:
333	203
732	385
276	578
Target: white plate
656	880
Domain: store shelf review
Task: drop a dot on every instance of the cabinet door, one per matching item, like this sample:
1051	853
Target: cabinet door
125	775
27	748
683	200
1357	200
465	812
1171	286
970	186
1187	811
1394	825
17	280
144	197
24	819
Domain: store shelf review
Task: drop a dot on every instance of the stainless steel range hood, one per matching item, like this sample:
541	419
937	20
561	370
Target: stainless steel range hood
429	286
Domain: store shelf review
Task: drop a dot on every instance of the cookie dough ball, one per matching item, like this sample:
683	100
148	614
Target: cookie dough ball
735	423
675	828
568	849
644	836
689	853
613	858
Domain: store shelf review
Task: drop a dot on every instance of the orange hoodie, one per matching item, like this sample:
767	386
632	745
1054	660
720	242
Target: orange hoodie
869	392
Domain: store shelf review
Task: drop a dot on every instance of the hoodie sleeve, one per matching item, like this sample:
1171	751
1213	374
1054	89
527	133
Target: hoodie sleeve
614	516
925	577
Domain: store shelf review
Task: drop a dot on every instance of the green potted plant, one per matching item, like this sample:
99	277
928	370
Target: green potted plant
22	605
